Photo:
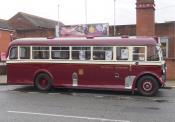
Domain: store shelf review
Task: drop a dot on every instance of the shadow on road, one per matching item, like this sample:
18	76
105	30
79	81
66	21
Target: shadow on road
99	94
70	91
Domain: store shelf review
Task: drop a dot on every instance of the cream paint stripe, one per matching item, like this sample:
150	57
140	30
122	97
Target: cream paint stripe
69	116
83	62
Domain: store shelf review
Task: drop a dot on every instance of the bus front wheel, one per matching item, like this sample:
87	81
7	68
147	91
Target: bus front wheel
43	82
147	85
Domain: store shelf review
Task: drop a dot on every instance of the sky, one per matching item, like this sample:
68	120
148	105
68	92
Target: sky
73	11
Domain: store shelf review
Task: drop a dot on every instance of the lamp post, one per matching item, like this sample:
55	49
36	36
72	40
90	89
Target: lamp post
85	6
114	19
57	28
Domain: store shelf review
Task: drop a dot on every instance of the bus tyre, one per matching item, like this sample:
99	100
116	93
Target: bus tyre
43	82
147	85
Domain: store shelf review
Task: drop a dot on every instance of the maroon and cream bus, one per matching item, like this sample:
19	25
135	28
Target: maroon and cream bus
95	63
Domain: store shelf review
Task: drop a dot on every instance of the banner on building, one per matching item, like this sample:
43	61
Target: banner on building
95	30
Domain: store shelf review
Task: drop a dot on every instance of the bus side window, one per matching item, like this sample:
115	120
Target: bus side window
13	53
24	52
122	53
40	52
102	53
60	52
81	53
152	53
138	53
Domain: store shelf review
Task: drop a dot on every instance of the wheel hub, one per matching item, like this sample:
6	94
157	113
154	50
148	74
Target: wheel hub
147	86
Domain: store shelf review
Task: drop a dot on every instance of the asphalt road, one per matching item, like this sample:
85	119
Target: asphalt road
25	104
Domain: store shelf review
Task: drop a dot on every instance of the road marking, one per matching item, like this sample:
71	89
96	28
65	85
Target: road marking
54	93
68	116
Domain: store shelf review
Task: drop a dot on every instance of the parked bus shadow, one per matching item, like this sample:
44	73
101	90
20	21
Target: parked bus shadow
73	91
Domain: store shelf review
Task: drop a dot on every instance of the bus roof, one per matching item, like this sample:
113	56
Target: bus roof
97	41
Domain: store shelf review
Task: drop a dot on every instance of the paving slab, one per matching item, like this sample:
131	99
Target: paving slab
3	79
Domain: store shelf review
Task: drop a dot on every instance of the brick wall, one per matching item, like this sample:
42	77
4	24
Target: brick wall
4	40
129	30
20	23
35	33
170	69
167	29
145	18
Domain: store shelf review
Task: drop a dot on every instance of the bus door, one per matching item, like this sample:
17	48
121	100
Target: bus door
123	67
121	75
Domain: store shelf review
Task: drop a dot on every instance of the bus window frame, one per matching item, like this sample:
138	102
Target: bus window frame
114	53
71	49
41	51
145	54
9	53
20	53
112	59
51	50
129	54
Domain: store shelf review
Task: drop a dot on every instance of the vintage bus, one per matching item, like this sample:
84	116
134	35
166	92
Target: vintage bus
91	63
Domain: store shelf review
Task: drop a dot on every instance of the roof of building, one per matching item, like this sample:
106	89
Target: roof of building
36	21
97	41
4	25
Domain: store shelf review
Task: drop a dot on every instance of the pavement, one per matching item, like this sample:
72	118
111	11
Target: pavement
169	84
3	79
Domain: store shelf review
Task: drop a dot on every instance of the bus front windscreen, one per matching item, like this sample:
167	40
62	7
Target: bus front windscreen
153	53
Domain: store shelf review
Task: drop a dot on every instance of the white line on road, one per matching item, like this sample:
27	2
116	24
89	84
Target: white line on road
68	116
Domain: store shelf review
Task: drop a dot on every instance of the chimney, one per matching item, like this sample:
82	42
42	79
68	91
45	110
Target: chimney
145	12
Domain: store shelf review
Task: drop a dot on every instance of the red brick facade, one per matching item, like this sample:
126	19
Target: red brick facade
145	18
35	33
27	25
167	29
4	40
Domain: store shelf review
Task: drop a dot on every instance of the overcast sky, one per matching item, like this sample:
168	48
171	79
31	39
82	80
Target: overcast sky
73	11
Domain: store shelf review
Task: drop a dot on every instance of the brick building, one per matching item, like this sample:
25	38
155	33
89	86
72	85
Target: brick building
5	35
27	25
146	26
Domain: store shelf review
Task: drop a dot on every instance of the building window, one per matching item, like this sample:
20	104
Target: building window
164	46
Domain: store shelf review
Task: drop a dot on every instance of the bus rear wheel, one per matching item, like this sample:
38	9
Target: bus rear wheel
147	85
43	82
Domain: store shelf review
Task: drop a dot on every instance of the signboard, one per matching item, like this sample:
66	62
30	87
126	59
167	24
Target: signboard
124	54
95	30
108	55
3	56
